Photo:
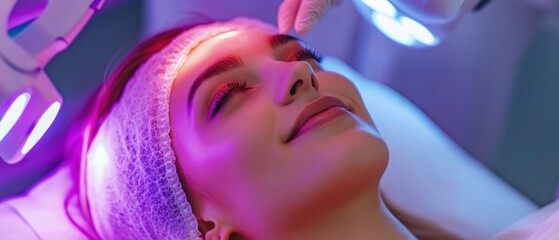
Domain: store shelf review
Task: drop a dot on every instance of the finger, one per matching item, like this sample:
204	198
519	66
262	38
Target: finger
286	15
310	13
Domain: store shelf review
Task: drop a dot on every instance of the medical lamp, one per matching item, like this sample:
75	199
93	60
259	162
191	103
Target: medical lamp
29	102
416	23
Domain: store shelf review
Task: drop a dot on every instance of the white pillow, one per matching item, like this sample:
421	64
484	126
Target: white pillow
430	176
41	213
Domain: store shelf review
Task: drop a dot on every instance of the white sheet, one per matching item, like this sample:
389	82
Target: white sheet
42	211
428	176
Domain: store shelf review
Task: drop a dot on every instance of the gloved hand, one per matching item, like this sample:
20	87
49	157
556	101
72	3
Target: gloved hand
302	14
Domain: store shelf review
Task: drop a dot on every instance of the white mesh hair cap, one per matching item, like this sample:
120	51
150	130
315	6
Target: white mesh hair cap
132	184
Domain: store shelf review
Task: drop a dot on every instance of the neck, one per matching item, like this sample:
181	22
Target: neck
365	217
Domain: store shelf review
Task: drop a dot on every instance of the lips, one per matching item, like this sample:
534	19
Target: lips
314	108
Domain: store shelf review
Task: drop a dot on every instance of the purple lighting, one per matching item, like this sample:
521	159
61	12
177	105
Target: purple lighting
42	125
13	114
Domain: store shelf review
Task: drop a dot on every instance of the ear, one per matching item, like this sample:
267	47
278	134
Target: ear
216	231
212	223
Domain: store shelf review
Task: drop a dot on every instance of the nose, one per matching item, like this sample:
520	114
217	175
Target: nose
299	79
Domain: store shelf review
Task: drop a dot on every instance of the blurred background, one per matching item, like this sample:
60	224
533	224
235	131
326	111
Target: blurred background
492	86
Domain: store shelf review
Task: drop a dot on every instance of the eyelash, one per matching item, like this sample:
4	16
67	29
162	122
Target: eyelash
224	95
235	86
308	53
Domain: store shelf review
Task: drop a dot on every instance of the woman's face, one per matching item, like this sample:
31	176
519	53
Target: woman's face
262	133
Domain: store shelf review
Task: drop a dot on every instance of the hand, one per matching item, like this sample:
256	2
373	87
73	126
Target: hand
302	14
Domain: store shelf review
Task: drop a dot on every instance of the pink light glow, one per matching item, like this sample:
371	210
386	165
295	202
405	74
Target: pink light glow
99	160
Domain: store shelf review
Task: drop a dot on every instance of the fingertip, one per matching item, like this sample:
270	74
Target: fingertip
284	26
302	27
302	31
282	29
311	12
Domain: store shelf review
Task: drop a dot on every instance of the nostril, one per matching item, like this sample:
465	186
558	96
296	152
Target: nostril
295	86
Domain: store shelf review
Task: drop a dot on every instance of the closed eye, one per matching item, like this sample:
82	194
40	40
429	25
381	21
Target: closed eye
308	53
225	94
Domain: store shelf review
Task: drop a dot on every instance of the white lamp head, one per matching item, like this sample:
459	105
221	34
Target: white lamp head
416	23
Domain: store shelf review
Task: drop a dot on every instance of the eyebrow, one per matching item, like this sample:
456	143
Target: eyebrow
279	40
232	62
222	65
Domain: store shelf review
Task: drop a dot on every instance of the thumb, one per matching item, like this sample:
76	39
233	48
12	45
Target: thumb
310	13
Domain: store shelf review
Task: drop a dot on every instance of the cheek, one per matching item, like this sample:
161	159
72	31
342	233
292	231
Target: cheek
231	159
332	83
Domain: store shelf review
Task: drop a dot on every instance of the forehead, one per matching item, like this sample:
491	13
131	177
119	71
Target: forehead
234	40
240	42
243	43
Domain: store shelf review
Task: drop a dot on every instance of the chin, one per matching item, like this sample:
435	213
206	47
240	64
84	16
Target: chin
362	160
347	167
363	148
350	150
353	161
360	146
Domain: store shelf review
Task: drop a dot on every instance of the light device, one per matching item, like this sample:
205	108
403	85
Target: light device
29	102
416	23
